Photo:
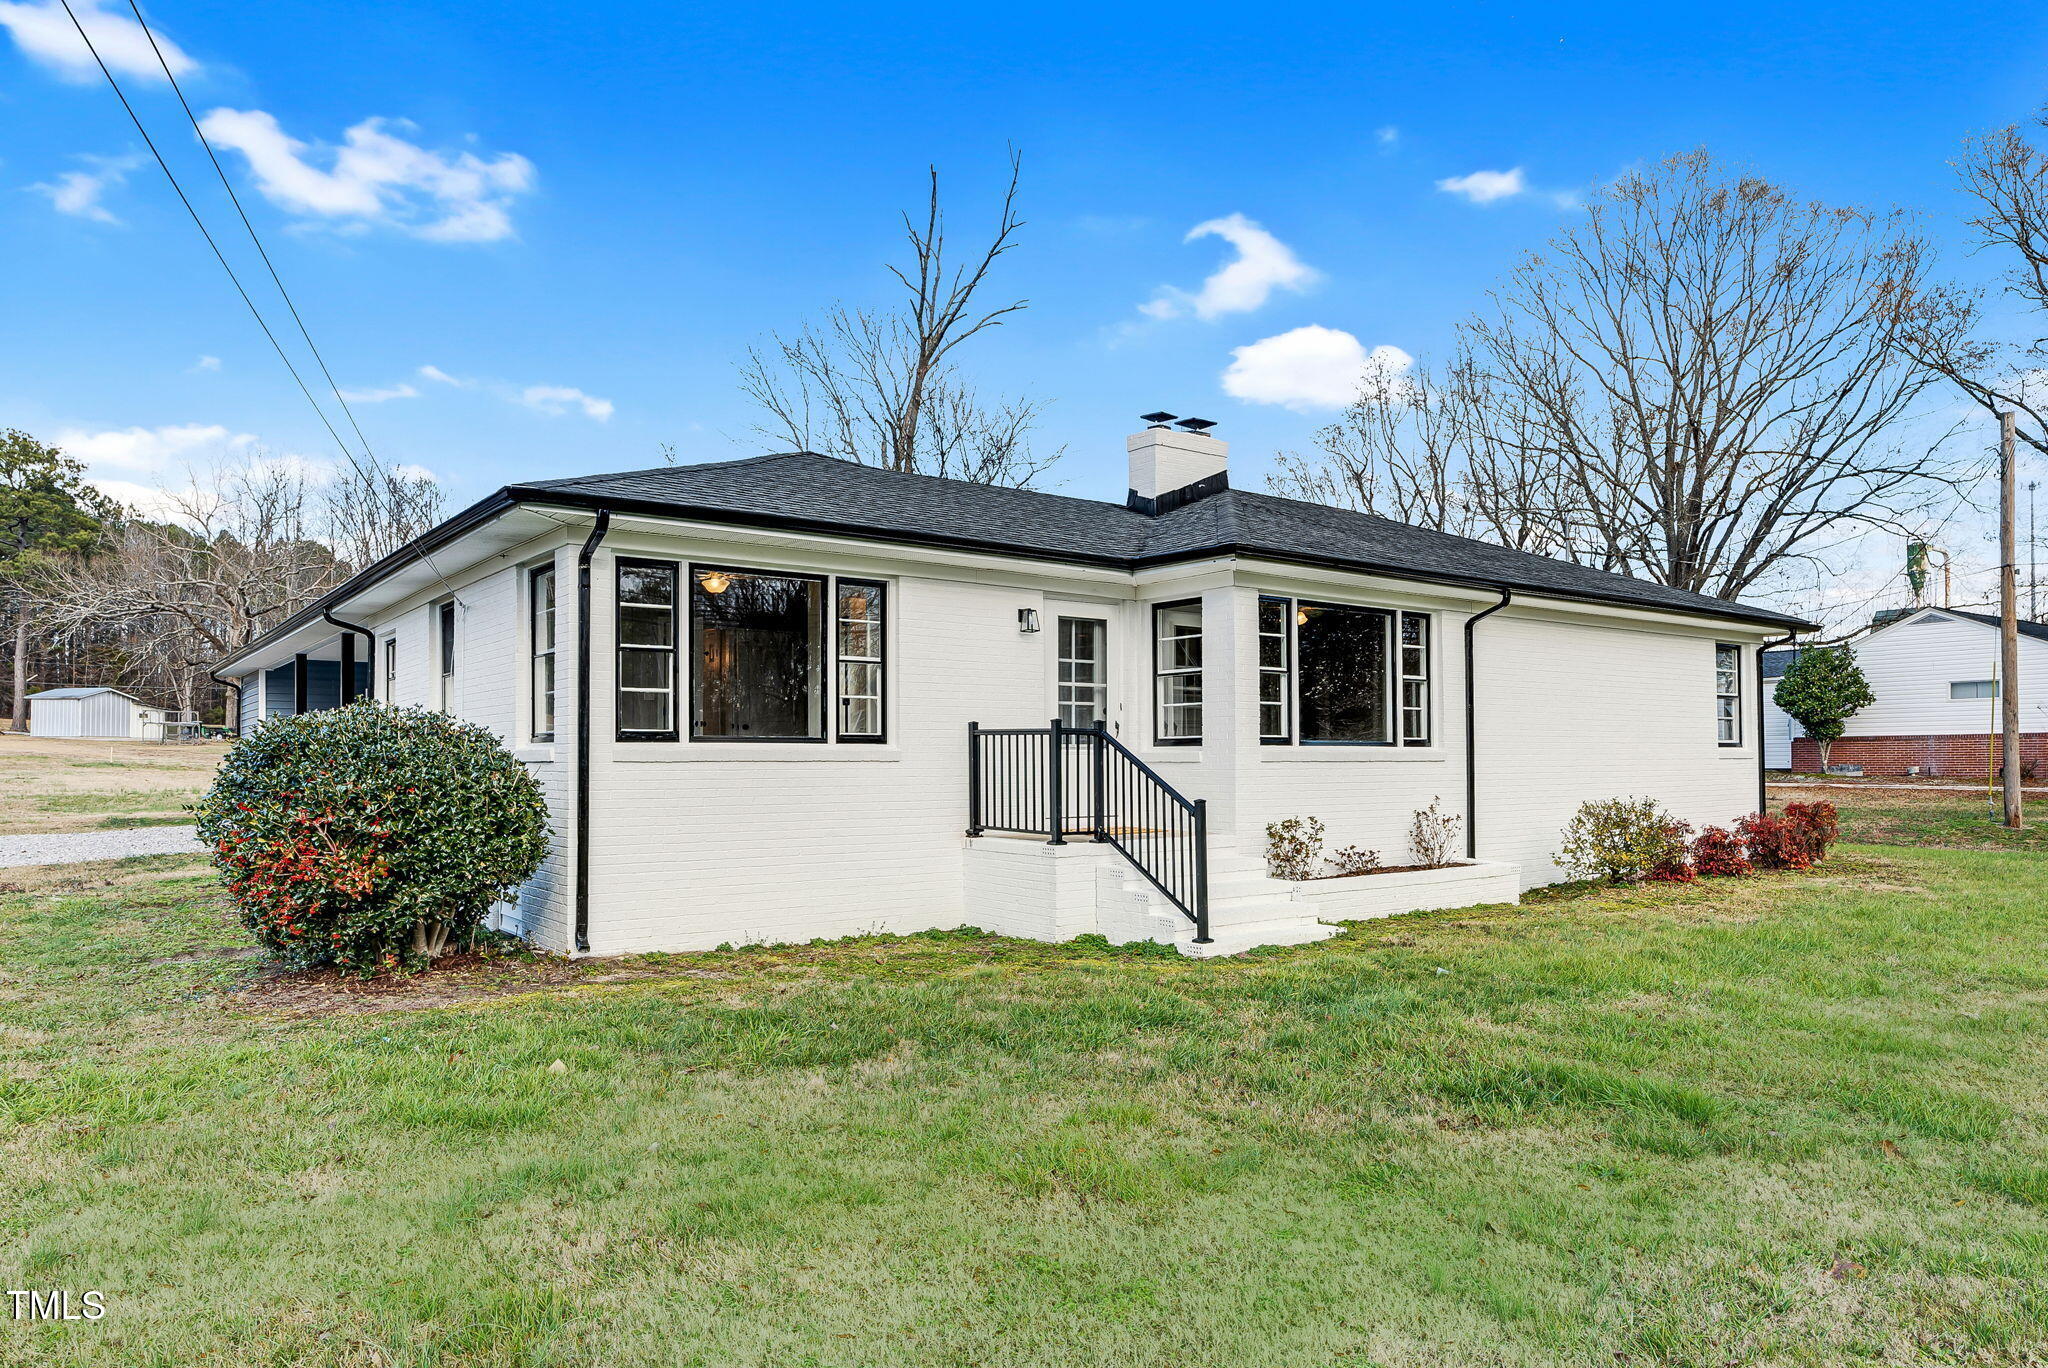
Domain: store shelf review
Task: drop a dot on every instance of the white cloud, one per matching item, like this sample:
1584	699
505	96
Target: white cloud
378	396
78	192
556	399
149	450
1486	187
415	472
207	363
378	179
45	34
1263	264
1310	368
435	373
1387	136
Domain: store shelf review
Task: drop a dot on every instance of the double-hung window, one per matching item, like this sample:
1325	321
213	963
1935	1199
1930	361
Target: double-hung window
390	669
647	650
1337	674
541	636
861	674
1177	673
1728	694
1276	673
444	619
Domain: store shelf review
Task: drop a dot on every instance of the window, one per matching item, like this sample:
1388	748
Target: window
1414	679
445	618
390	669
1341	653
1728	694
1177	673
646	650
1275	670
1083	675
758	653
1973	688
861	695
541	611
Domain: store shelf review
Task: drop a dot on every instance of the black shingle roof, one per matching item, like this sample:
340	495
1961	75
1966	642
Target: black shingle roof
821	493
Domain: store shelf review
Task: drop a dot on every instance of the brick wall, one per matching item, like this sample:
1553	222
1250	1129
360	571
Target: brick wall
1959	757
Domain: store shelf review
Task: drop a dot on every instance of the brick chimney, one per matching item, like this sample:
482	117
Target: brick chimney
1175	463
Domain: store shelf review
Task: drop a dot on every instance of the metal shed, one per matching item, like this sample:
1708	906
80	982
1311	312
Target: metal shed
90	712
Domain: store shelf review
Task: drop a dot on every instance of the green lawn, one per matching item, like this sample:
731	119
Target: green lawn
1928	817
1788	1121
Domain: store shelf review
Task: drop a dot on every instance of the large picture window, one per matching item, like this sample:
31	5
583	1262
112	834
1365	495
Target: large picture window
1728	694
541	631
758	655
646	650
1177	673
1276	674
1341	654
862	693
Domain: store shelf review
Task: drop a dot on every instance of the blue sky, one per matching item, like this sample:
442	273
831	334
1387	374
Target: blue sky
579	219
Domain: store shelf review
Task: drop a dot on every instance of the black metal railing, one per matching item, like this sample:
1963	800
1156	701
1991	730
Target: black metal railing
1060	781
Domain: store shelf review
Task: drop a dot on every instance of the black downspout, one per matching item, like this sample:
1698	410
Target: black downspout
603	525
1507	596
348	664
1763	788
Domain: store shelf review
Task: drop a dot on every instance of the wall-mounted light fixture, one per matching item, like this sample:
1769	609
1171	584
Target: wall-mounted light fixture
1027	619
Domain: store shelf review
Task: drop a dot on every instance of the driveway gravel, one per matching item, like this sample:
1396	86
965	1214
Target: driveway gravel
78	846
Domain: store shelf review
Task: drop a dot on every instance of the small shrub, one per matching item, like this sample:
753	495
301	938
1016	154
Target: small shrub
1773	842
1816	825
1356	860
1294	847
1433	834
1676	865
1622	840
368	837
1717	854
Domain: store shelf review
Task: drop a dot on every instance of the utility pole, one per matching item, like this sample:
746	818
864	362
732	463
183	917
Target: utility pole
2008	618
2033	569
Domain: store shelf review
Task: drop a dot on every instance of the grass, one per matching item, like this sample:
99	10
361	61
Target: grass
1787	1121
1946	818
85	784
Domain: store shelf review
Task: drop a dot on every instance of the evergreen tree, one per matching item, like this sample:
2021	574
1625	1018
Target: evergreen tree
1822	690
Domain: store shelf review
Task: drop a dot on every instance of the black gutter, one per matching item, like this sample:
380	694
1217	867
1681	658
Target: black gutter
1763	788
1507	596
348	671
603	525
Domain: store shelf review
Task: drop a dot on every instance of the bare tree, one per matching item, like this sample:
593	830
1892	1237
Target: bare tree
220	565
880	386
372	513
1701	383
2007	176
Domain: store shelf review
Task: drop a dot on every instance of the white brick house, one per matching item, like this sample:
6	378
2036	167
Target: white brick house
748	689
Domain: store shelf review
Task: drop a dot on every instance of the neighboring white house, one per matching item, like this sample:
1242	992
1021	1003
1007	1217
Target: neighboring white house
92	712
792	697
1934	672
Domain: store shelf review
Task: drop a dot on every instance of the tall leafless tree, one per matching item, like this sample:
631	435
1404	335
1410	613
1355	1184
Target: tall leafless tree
1700	383
881	387
2006	175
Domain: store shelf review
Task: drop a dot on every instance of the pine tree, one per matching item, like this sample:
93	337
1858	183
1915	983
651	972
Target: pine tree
46	510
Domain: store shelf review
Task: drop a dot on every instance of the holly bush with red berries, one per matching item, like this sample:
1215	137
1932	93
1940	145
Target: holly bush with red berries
371	837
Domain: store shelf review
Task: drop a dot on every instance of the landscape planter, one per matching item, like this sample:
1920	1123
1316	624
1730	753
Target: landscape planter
1362	897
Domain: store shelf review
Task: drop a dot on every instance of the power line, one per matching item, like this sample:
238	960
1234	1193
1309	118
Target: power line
218	255
235	200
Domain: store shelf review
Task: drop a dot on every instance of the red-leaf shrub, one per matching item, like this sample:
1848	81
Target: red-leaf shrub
1674	866
1773	842
1817	825
366	837
1717	854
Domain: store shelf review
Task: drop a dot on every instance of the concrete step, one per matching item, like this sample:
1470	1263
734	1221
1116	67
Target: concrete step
1235	940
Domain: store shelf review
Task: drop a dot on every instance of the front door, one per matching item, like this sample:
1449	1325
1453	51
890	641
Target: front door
1083	678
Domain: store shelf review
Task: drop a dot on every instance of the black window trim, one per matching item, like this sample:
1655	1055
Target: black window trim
1427	679
1391	684
620	564
533	651
447	658
1158	706
1286	670
829	607
880	659
1736	647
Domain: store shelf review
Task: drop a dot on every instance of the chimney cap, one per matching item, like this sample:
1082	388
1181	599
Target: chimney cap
1195	425
1159	419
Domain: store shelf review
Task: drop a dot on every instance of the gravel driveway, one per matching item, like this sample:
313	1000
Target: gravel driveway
74	847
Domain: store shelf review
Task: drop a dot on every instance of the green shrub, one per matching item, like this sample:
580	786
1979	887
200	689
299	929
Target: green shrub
368	837
1623	840
1294	848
